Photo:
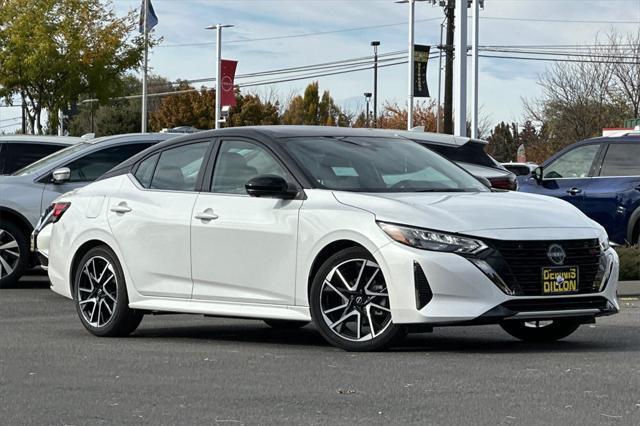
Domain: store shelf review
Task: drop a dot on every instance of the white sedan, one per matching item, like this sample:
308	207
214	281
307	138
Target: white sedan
364	233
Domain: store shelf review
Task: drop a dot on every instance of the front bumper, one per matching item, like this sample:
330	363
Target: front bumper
460	293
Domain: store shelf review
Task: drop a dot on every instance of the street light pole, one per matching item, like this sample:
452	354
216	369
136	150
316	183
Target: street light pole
375	45
218	28
439	110
412	13
145	66
474	69
460	69
367	98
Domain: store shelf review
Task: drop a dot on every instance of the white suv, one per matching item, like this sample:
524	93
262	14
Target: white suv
366	234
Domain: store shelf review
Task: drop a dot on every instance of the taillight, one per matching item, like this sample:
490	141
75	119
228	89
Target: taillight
508	183
58	211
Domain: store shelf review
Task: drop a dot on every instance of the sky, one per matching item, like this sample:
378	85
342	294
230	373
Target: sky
503	84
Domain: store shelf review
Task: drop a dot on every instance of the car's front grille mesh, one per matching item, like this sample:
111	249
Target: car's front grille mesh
522	263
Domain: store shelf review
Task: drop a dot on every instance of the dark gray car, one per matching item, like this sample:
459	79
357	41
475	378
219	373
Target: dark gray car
27	192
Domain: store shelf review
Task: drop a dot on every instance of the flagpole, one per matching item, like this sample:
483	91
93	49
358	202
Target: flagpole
144	69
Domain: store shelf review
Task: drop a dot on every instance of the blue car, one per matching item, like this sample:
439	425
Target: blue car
601	177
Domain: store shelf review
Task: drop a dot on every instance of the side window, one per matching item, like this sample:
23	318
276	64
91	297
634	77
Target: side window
93	165
145	170
178	168
18	155
622	160
573	164
240	161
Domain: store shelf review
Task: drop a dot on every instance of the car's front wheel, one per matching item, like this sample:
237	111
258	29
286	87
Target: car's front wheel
540	331
349	303
100	294
14	253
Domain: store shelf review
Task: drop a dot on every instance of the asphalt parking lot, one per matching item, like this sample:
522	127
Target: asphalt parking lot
196	370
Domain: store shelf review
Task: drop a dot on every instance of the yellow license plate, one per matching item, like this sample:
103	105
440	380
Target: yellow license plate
560	280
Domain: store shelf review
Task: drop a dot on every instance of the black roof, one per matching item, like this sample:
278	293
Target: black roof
296	131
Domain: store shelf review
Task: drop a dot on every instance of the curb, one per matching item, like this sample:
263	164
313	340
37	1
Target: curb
629	288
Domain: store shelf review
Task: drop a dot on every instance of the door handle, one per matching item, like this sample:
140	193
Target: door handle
206	215
574	191
121	208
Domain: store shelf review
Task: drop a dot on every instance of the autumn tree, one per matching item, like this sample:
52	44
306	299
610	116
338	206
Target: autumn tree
54	51
395	117
313	110
250	110
192	107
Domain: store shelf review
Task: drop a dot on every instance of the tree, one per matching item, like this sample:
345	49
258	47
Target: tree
250	110
53	51
503	142
395	117
118	116
310	109
194	108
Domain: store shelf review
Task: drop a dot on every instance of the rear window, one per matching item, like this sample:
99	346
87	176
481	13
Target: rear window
471	152
622	160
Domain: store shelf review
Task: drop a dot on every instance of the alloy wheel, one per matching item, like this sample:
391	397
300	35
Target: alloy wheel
97	291
354	300
9	253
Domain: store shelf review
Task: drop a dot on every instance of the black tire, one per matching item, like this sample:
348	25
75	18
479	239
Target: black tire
528	332
389	334
10	232
285	324
123	320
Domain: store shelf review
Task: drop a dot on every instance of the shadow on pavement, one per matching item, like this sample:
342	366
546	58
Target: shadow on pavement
489	341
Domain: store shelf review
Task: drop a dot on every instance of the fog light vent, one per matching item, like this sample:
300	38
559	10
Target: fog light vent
423	291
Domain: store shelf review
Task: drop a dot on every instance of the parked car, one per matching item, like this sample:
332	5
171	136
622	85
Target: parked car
601	177
25	193
520	169
17	151
467	153
365	233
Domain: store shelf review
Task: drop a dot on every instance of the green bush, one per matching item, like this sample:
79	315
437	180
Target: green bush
629	263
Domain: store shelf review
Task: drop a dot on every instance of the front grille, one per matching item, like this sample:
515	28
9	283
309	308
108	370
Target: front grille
520	263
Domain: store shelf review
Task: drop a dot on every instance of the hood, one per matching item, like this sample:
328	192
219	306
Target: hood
470	212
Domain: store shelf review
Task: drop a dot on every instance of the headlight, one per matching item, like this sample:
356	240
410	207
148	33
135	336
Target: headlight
432	240
604	242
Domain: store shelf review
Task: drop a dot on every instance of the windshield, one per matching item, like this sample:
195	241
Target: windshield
365	164
50	159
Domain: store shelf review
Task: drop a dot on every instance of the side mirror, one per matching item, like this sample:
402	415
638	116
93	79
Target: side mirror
270	186
61	175
537	174
486	182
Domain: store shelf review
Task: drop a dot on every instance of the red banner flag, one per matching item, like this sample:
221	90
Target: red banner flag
228	72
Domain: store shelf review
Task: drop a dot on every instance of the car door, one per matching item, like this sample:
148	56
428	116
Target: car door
569	175
244	248
614	193
150	217
88	168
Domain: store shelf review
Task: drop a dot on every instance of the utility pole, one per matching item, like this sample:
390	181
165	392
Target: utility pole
449	11
375	45
460	69
474	69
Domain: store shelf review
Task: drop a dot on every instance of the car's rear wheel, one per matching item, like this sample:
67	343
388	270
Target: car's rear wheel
285	324
540	331
349	303
101	295
14	253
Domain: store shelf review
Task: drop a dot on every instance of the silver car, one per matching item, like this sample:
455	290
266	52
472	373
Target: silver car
30	190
